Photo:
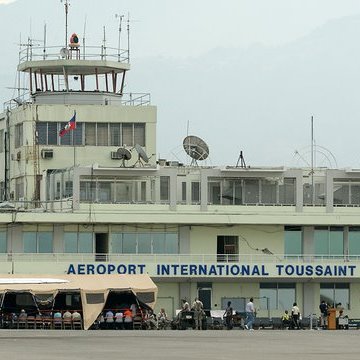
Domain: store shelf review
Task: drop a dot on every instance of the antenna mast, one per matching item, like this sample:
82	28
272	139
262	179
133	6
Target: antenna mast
119	48
84	48
66	4
128	36
312	159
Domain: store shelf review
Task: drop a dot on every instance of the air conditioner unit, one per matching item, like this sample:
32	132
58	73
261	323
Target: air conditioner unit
115	155
16	156
47	153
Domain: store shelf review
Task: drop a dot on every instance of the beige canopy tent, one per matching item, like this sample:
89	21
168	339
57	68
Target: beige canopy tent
94	289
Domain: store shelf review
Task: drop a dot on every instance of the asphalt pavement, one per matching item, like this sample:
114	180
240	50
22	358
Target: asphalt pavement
177	344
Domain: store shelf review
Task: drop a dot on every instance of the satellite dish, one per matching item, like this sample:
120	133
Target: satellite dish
123	154
196	148
141	154
64	52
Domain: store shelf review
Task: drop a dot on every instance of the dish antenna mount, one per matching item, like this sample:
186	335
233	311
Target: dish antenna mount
142	156
123	154
196	148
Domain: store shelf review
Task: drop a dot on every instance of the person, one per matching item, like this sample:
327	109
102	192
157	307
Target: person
162	319
57	314
76	315
324	314
109	318
67	315
250	314
198	313
57	319
133	309
228	315
22	315
119	320
339	308
128	319
285	319
185	305
295	314
150	320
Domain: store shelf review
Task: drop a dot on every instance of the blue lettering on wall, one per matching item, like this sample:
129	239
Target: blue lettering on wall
216	270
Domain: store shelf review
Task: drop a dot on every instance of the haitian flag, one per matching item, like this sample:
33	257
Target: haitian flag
71	125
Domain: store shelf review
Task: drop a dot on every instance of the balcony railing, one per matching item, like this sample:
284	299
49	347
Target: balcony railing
36	53
176	258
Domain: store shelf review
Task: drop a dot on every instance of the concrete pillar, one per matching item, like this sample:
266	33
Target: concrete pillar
309	303
184	240
203	190
308	241
58	244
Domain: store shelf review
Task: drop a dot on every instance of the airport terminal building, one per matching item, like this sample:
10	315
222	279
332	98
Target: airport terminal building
96	201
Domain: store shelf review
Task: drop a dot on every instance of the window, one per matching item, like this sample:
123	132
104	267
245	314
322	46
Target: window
287	192
102	134
164	188
354	241
251	191
78	242
19	188
38	242
2	190
195	192
115	135
87	191
214	194
329	241
3	242
183	192
104	193
93	134
139	134
293	241
268	191
90	134
85	242
2	148
227	248
18	135
334	293
145	243
127	134
277	296
52	133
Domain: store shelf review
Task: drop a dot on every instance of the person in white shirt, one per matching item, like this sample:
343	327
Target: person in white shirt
295	313
250	314
198	313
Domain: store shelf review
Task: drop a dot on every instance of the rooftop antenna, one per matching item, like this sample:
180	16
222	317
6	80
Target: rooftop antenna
120	22
241	160
312	159
128	36
44	48
103	47
196	148
84	38
66	4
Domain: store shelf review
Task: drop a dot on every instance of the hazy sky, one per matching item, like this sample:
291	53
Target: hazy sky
177	28
180	32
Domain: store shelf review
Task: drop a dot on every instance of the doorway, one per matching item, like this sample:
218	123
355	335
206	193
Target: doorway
205	295
101	246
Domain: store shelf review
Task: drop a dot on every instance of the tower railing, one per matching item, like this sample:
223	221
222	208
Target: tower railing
38	53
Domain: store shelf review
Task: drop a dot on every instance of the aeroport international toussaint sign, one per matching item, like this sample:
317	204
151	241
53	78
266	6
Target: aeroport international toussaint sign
231	270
